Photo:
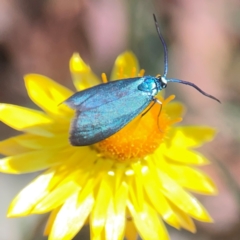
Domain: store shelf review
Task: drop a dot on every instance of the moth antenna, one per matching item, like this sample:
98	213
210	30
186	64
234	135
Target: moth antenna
166	65
194	86
164	46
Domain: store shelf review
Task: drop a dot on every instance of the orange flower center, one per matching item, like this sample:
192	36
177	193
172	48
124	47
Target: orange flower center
141	137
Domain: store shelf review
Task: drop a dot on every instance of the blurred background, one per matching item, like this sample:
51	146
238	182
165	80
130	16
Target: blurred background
203	38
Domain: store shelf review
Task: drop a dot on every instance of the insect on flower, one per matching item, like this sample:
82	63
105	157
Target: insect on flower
104	109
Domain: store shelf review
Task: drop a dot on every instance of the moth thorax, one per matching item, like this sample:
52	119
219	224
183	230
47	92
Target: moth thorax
151	85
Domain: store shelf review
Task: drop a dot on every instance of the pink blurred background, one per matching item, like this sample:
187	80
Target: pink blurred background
203	38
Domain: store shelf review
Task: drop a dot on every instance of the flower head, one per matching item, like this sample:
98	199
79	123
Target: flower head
127	184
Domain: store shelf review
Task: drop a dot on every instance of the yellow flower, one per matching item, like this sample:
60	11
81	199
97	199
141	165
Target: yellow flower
125	185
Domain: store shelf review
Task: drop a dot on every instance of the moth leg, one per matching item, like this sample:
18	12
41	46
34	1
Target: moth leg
148	108
155	100
160	103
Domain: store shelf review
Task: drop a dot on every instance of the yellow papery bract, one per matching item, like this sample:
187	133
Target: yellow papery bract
193	179
25	119
48	94
82	75
33	142
99	213
50	221
185	221
29	142
27	162
30	161
191	136
185	156
56	198
125	66
111	231
157	199
25	201
71	217
184	200
136	192
175	109
12	146
147	222
120	200
115	221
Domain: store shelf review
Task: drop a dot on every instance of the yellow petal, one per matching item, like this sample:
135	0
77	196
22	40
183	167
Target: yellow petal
32	161
99	213
136	190
28	142
93	176
30	195
174	109
82	75
148	222
110	230
182	155
47	94
11	146
65	183
25	119
56	198
182	199
115	222
71	218
50	221
191	136
193	179
125	66
57	141
185	221
159	202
